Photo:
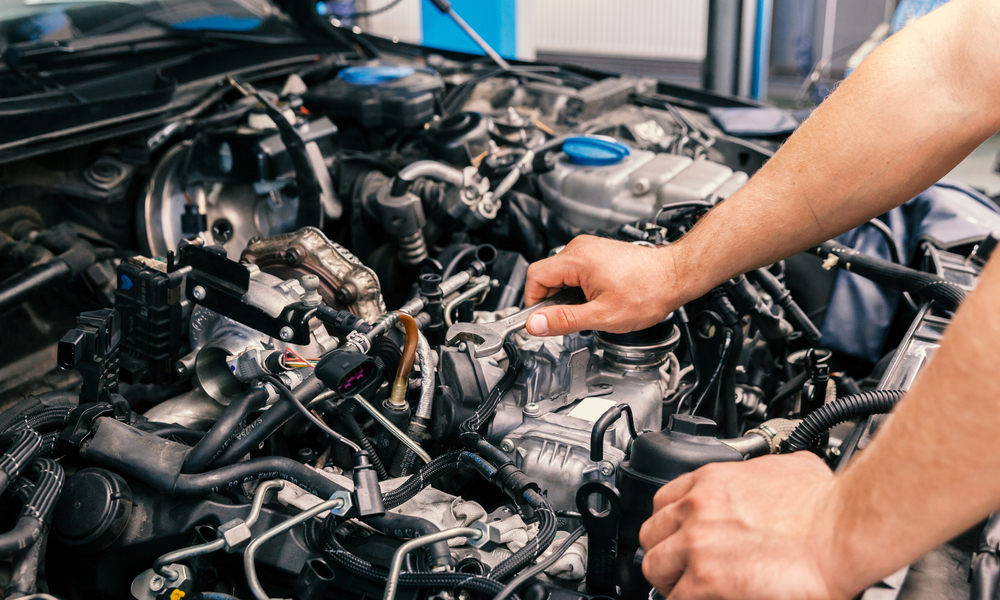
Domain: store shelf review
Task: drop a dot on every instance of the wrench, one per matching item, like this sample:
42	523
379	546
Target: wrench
487	338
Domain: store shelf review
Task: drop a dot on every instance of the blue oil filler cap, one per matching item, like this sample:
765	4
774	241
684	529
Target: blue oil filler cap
374	75
594	151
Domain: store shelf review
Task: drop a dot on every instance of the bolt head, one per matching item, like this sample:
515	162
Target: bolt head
531	409
286	334
157	583
199	292
507	446
607	469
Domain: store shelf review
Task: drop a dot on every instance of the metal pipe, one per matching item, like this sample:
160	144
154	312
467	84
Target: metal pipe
493	54
396	566
415	305
384	422
426	403
511	178
260	495
433	170
469	293
248	554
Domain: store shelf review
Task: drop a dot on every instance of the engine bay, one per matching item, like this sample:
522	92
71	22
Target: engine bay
268	351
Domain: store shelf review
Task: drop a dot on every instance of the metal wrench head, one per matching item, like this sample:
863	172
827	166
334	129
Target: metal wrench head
485	340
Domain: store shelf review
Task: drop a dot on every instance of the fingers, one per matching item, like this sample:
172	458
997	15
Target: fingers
560	320
673	491
659	527
546	276
664	565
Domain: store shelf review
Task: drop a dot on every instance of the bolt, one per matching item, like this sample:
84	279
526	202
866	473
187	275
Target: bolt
294	256
507	446
346	294
531	409
286	334
607	469
157	583
180	368
199	292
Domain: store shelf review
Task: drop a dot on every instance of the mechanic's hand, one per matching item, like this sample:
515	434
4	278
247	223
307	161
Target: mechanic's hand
761	529
628	287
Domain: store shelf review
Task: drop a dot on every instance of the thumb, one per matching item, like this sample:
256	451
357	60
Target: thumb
560	320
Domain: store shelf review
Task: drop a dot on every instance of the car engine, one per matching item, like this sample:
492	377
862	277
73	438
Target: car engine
276	349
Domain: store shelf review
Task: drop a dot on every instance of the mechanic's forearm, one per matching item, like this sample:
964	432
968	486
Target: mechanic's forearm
932	470
905	118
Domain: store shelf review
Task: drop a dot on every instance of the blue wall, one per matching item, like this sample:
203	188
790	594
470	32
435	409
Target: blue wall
495	20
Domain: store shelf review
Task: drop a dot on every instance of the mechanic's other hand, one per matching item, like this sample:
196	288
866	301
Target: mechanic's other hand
756	530
628	287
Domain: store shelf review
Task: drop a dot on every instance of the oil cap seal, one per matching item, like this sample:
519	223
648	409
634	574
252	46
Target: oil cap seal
594	151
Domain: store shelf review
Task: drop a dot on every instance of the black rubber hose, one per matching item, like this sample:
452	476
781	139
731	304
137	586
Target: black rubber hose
786	391
18	288
358	434
407	527
24	571
812	428
268	467
24	446
224	430
37	509
893	276
254	434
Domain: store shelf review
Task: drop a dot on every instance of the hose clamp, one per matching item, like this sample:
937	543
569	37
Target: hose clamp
359	341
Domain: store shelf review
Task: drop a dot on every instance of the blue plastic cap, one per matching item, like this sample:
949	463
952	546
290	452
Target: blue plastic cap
373	75
594	151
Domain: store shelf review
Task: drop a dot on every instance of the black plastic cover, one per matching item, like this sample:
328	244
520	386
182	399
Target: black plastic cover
403	103
150	307
93	509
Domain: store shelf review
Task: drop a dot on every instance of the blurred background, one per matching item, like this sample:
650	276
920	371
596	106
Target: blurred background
789	53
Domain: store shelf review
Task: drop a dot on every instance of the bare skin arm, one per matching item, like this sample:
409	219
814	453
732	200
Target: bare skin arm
784	527
905	118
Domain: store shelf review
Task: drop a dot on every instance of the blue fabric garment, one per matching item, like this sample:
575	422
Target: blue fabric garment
860	313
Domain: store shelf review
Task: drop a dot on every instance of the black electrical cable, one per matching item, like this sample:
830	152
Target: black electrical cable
786	391
287	394
407	527
454	262
428	474
812	428
489	405
547	527
352	426
527	574
727	387
224	430
715	374
24	446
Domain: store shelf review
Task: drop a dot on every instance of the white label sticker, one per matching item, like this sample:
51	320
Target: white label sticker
591	409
